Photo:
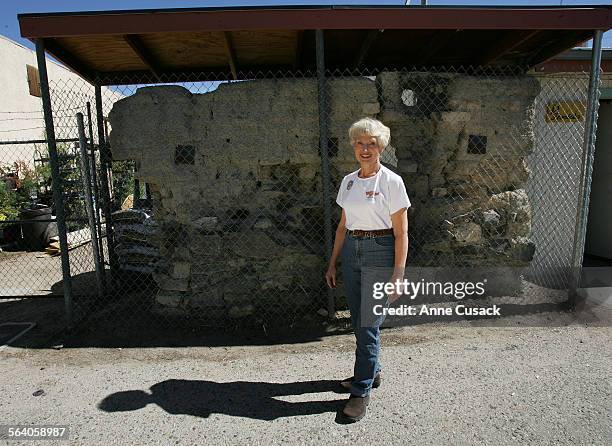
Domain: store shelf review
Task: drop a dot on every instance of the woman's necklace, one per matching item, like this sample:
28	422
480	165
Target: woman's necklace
371	175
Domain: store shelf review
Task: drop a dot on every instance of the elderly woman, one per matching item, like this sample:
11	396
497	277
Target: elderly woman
373	232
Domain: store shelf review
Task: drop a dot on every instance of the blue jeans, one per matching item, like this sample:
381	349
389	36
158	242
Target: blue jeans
357	253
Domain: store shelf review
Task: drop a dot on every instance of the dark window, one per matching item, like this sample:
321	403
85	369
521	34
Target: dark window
184	155
477	144
33	80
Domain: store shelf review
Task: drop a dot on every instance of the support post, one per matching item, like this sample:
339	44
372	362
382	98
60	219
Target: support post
586	170
56	181
105	161
89	203
323	149
94	181
136	190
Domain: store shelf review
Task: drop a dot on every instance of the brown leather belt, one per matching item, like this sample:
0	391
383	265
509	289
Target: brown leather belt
371	233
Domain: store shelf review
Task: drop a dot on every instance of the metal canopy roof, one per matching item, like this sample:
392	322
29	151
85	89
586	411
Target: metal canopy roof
209	43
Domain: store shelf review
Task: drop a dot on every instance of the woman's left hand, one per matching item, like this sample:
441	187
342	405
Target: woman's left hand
330	276
397	275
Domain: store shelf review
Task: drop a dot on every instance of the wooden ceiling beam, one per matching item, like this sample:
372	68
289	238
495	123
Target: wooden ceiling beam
510	42
139	48
231	54
440	40
299	43
70	60
203	74
556	46
371	37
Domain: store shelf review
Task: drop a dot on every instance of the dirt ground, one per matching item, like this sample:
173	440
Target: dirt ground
535	379
25	273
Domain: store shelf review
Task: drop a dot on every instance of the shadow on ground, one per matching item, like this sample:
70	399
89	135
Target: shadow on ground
145	331
82	284
255	400
126	320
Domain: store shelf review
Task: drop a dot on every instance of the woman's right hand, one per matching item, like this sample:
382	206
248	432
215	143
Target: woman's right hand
330	276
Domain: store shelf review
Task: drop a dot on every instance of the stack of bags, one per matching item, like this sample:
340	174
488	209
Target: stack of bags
134	240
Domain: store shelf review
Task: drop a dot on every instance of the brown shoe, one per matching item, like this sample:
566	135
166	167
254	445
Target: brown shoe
355	408
345	384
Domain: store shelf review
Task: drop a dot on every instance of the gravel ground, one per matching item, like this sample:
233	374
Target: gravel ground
452	383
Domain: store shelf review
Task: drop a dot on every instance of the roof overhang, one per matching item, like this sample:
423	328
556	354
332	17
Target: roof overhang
576	60
208	43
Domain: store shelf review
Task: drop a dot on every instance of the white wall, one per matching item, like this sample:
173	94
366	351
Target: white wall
553	185
21	116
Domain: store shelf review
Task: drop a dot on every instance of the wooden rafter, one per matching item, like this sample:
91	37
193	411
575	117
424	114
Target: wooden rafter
68	59
367	43
137	45
231	55
439	41
507	44
299	43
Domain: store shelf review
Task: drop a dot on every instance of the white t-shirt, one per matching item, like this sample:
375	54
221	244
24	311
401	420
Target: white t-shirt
369	202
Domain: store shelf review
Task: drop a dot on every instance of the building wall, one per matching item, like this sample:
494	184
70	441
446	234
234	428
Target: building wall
557	157
21	116
235	176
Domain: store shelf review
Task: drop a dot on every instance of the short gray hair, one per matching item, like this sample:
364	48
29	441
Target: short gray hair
372	127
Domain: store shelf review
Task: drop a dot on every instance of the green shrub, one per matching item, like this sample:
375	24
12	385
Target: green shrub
9	203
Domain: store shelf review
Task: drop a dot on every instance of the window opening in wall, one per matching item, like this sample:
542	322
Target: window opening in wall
184	155
477	144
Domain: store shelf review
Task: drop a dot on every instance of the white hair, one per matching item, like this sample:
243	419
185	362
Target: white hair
372	127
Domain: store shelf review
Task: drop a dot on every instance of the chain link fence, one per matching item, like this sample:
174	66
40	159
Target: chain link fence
216	189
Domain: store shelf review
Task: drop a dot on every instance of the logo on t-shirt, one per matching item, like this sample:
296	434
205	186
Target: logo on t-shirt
349	185
371	194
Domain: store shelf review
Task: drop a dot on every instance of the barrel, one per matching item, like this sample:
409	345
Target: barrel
36	228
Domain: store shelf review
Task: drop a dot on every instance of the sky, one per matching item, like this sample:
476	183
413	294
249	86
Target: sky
9	9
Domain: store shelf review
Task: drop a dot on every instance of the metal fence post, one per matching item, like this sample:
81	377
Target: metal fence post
94	180
136	190
104	167
56	180
323	147
586	170
89	203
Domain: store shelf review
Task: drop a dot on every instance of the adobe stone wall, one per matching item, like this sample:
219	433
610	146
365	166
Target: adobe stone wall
236	178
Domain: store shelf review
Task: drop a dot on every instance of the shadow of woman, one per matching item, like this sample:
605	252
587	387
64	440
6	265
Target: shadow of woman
238	398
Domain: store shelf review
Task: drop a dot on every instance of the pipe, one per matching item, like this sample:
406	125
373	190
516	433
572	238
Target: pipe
105	160
90	210
586	170
323	149
94	181
56	181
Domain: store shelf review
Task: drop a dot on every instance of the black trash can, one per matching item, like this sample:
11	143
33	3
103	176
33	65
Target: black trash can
36	235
